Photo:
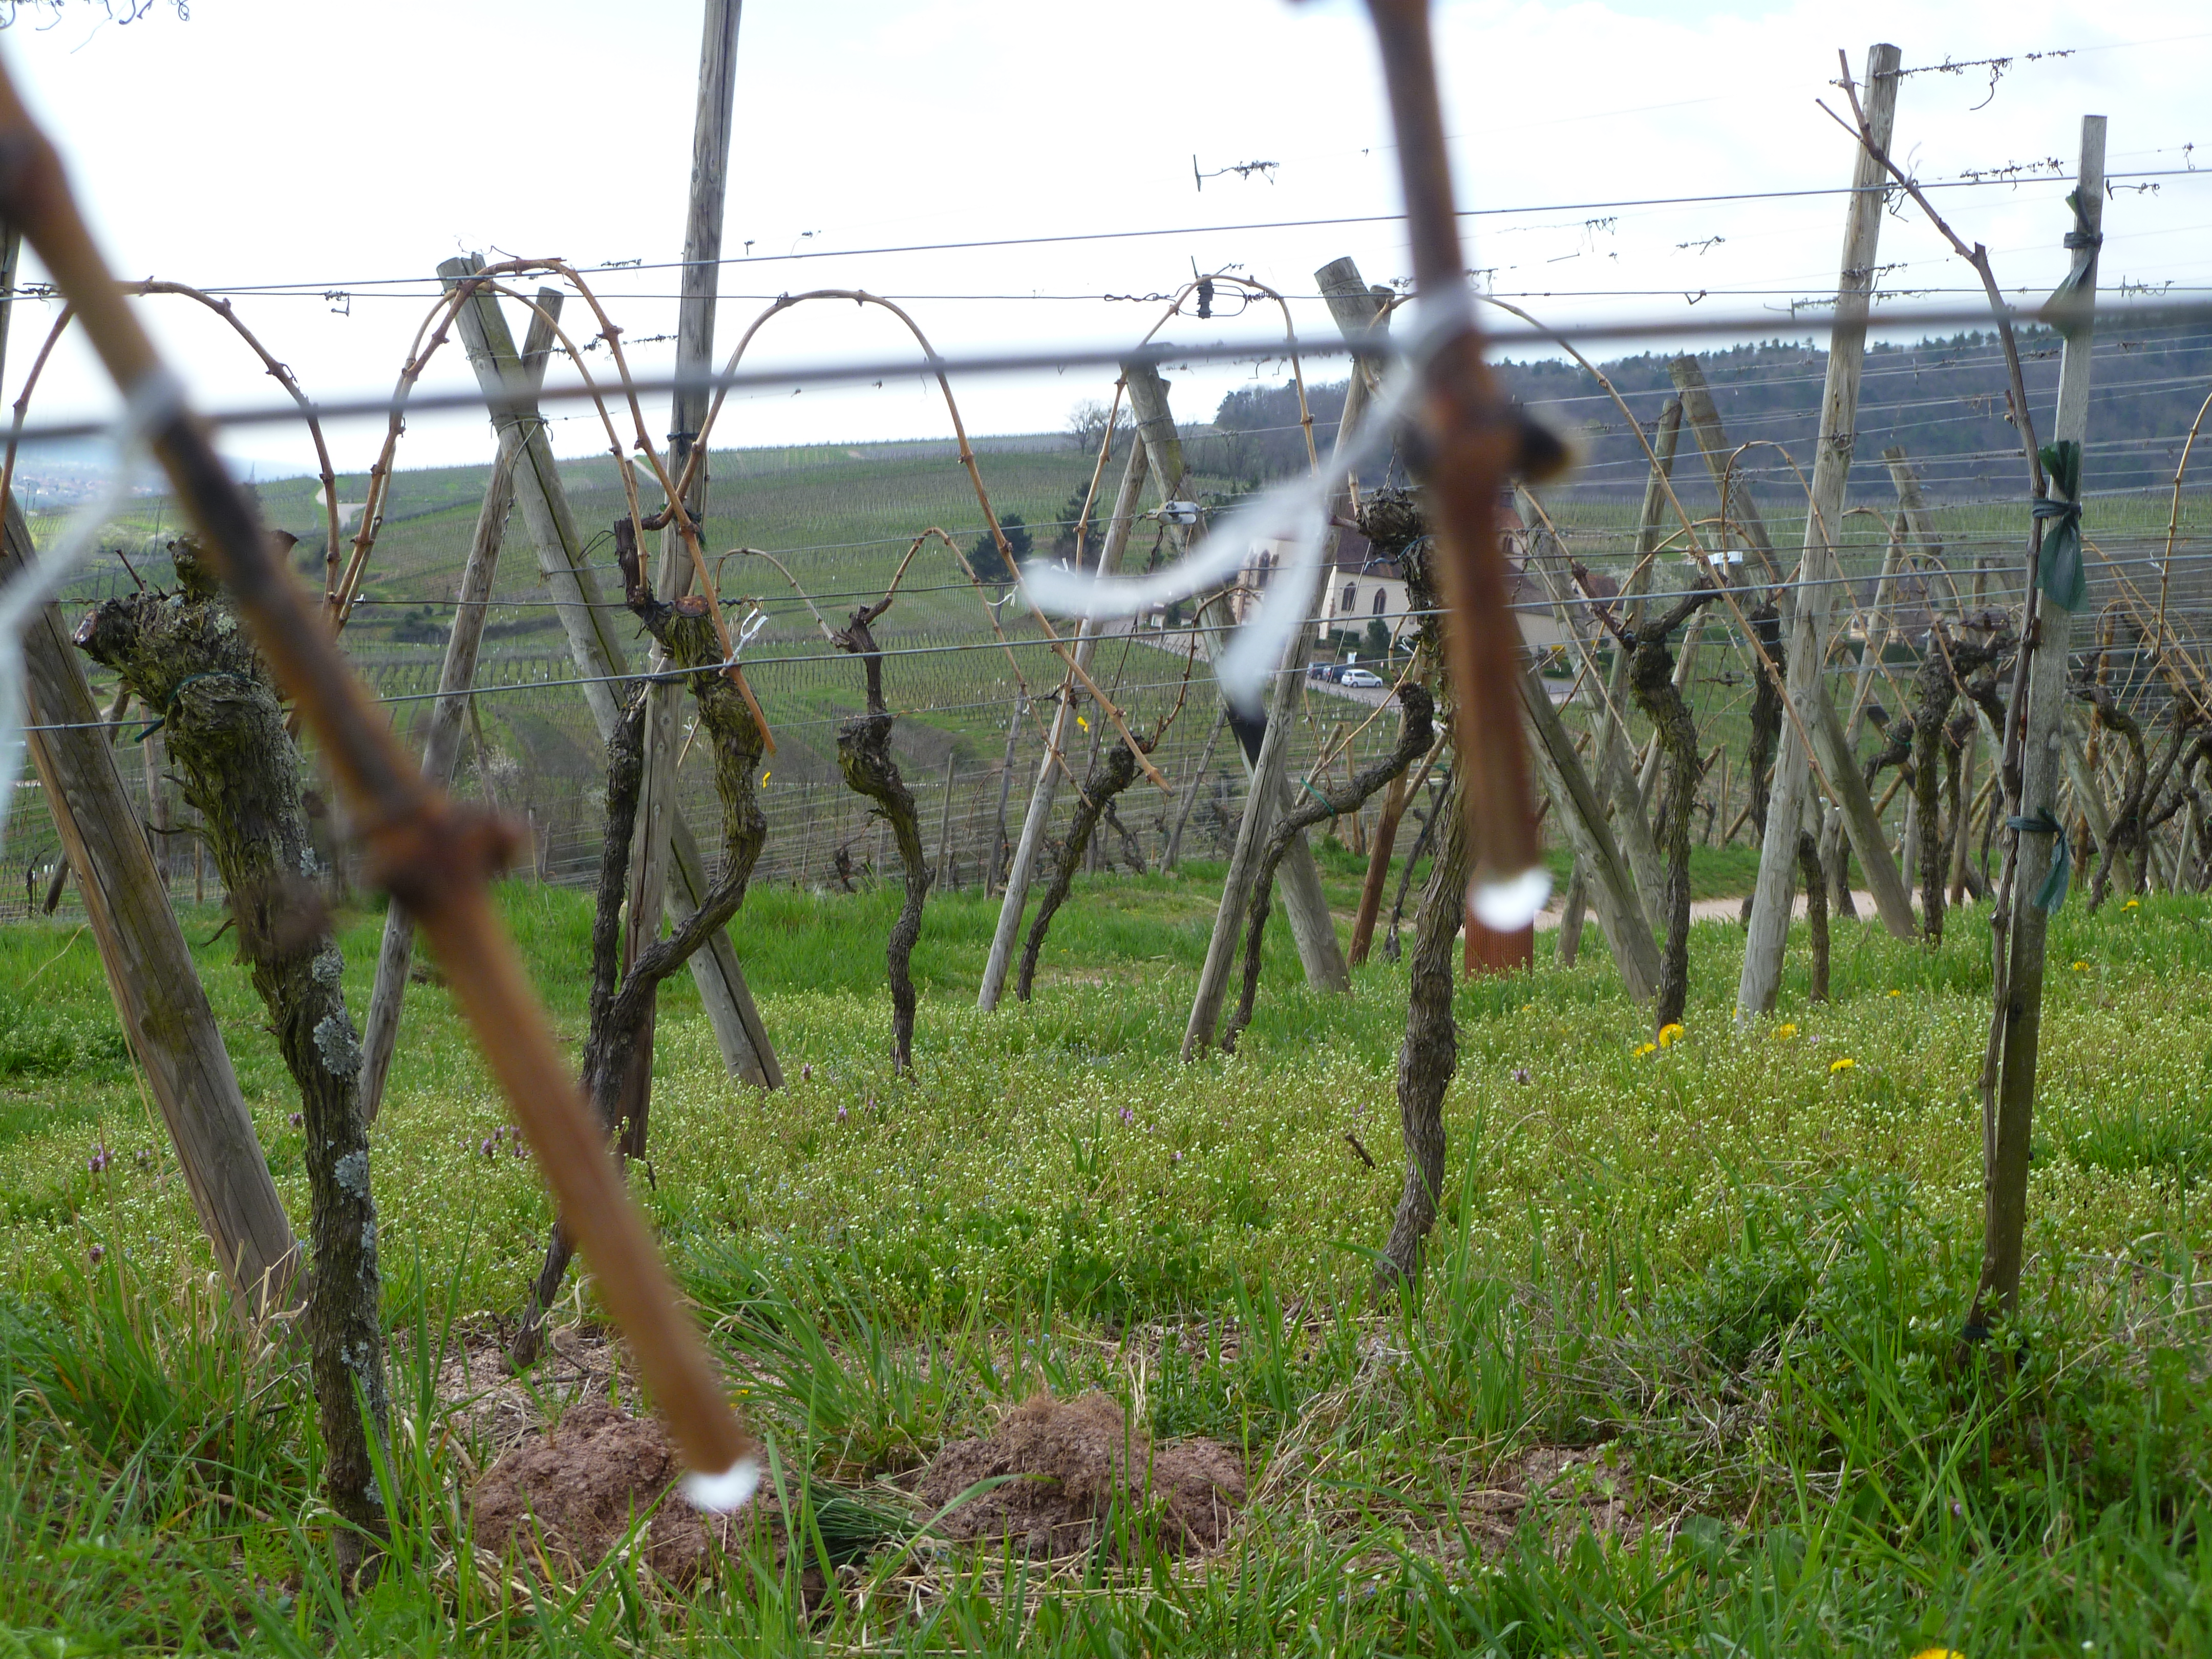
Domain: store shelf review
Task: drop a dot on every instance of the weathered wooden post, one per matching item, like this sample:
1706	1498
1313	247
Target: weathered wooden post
163	1009
2046	639
944	827
1357	310
1043	792
1811	712
441	748
1304	903
657	805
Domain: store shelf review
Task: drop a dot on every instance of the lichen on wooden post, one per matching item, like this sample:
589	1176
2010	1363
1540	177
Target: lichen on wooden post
186	658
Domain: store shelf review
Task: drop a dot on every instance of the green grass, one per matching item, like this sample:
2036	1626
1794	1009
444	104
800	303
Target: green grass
1729	1272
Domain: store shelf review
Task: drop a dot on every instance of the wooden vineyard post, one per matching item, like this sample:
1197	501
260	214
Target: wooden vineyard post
594	645
1621	914
945	827
164	1012
441	748
657	807
1357	312
1043	792
2046	639
1182	811
1808	714
1304	901
1006	789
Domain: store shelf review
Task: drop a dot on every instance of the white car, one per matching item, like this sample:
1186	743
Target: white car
1364	679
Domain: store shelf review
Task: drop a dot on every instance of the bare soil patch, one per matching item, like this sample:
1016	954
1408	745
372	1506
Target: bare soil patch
1074	1462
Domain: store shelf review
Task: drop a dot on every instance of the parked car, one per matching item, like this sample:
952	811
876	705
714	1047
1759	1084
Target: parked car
1363	678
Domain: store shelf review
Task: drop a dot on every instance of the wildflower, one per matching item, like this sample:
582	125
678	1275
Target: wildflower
2132	904
97	1162
1520	1074
1784	1032
843	1114
1175	1158
807	1072
96	1252
1128	1117
1897	993
1843	1065
1669	1035
296	1120
1643	1048
490	1147
2081	966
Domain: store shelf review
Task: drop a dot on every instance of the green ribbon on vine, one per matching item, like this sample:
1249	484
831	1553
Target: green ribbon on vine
2065	580
2052	894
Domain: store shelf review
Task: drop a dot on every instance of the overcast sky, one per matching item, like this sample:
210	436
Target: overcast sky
349	149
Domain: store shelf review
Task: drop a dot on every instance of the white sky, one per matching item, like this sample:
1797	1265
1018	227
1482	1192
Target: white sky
263	141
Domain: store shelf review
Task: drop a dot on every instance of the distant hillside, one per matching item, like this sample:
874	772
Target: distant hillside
1942	400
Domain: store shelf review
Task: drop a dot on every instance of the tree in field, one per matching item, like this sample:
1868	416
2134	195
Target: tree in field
989	564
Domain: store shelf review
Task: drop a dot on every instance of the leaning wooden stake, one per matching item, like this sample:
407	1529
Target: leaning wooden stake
436	858
442	747
2034	750
1304	901
1047	787
1818	571
658	808
163	1008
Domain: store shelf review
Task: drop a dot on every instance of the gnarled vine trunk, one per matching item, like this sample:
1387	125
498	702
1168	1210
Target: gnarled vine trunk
623	1003
1416	732
1110	774
863	756
187	659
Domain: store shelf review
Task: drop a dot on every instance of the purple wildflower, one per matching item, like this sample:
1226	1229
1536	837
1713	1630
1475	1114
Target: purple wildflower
97	1162
841	1114
96	1252
1520	1074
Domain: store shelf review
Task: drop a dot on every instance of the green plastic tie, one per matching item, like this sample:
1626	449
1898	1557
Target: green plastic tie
2052	894
2065	580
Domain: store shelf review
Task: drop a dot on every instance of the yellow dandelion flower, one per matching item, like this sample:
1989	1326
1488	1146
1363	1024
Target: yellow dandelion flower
1643	1048
1897	993
1939	1653
2081	966
1784	1032
1669	1035
2132	904
1843	1065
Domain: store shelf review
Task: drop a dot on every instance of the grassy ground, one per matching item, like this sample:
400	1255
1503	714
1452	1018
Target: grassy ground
1713	1290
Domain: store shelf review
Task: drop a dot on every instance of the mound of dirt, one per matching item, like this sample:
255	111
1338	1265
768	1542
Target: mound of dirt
573	1493
1075	1461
